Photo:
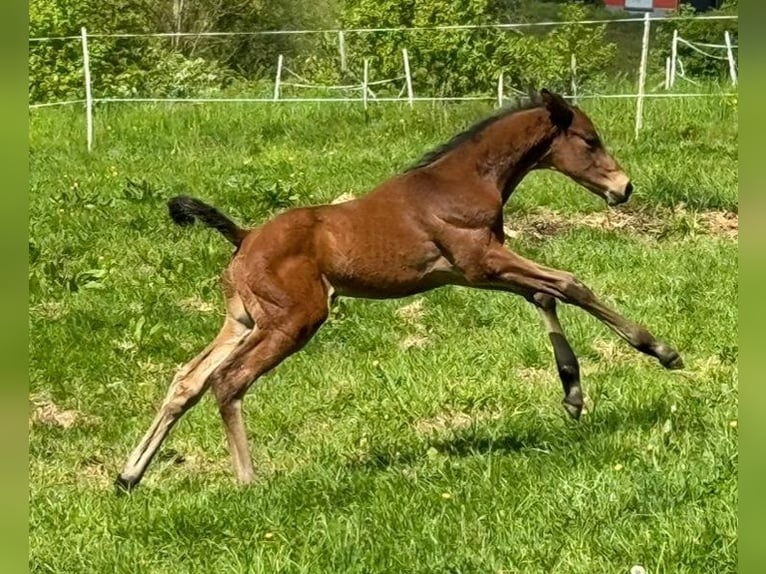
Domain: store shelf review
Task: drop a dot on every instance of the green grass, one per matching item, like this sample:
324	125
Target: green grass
449	455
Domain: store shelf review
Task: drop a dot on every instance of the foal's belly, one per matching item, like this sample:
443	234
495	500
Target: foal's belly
389	276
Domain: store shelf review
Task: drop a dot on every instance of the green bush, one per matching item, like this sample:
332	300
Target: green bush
171	75
55	67
469	61
443	63
153	66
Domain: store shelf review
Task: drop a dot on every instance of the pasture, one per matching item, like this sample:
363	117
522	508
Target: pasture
417	435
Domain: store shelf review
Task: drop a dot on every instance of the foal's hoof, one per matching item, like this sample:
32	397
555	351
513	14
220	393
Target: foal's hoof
124	486
573	404
670	359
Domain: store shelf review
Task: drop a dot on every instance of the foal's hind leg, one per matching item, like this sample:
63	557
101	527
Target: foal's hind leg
261	351
566	361
187	388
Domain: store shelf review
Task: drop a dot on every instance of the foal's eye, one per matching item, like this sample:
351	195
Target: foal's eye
592	141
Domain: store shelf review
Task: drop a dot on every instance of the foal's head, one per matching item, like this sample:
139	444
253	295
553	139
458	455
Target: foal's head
577	151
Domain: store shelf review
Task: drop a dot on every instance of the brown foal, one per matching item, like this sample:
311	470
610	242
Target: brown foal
438	223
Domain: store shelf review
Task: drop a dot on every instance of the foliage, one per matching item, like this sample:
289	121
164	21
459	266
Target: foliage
250	55
172	75
469	61
55	67
546	60
705	31
155	67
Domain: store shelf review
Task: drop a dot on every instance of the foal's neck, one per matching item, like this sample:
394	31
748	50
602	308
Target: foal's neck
511	147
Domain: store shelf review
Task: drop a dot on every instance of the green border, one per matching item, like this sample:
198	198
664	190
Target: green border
14	224
752	397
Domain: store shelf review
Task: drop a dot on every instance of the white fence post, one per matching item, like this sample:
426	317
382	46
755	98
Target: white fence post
673	58
500	88
342	50
88	94
407	75
573	70
364	82
278	80
730	56
642	73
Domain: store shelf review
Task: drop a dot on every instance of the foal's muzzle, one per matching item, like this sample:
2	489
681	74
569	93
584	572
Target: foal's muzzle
616	197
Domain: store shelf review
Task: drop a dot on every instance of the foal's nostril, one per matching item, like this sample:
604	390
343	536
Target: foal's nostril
628	190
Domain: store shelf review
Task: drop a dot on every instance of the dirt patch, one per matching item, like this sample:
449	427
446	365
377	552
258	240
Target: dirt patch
94	469
49	310
451	420
412	311
535	375
723	223
46	412
656	223
416	340
613	351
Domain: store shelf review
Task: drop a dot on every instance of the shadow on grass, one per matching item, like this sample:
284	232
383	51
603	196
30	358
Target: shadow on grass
569	439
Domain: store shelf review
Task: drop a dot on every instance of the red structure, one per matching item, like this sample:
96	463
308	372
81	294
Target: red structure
658	6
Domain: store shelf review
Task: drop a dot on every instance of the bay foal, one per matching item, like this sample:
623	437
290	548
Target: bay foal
438	223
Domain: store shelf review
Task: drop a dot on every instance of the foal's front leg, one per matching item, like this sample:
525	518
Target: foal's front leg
502	269
566	361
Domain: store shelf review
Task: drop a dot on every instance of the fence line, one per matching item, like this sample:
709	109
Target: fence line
379	99
704	45
455	27
694	47
53	104
407	87
671	67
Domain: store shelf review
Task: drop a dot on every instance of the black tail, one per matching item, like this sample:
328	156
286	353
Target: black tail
184	210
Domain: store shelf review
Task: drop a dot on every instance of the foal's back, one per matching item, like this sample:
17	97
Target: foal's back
355	245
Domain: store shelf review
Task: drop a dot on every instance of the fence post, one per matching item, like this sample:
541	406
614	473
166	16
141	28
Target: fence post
673	57
730	56
573	70
500	87
642	73
342	50
407	75
278	80
88	94
364	82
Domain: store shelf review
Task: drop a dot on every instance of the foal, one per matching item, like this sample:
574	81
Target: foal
438	223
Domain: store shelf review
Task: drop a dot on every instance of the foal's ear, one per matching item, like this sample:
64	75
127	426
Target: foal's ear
534	95
561	112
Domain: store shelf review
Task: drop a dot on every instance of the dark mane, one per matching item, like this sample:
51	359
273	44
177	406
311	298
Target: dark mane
469	133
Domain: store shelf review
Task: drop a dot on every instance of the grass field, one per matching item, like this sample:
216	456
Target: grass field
418	435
